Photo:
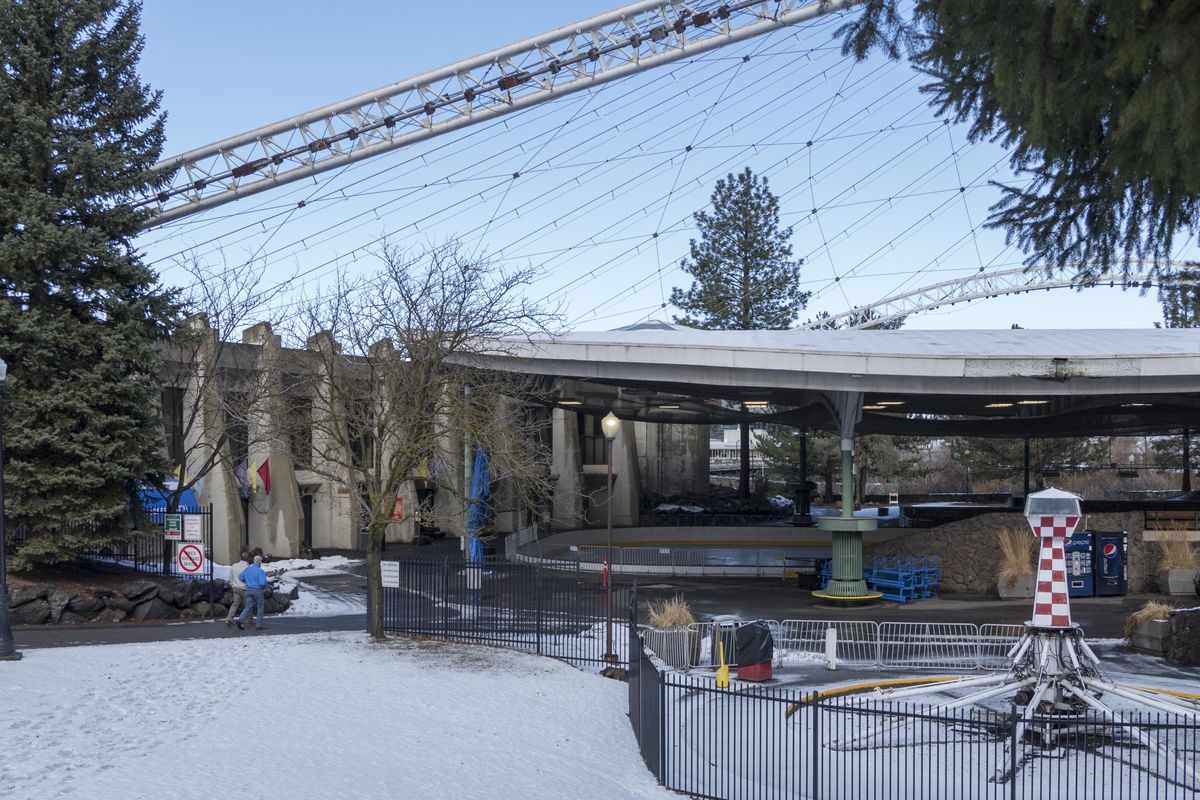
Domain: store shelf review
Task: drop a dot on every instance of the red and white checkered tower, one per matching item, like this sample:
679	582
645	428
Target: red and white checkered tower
1053	515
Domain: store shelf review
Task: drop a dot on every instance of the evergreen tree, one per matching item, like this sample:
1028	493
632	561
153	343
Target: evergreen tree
743	277
79	313
1097	101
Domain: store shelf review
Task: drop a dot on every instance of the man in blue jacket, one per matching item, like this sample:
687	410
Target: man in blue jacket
256	584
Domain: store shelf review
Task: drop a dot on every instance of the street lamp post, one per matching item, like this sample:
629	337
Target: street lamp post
611	426
8	647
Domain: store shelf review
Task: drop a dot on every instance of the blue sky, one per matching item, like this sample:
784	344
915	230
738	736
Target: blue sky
602	171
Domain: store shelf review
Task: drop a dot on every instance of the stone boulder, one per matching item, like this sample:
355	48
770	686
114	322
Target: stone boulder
69	617
58	603
35	612
111	615
85	605
182	594
137	590
1183	648
154	608
201	608
21	595
120	603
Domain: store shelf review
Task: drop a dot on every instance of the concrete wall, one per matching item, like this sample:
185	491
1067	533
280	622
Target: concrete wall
968	549
672	459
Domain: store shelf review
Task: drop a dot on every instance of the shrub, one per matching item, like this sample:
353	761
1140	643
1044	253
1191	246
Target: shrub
1177	552
667	615
1155	609
1017	555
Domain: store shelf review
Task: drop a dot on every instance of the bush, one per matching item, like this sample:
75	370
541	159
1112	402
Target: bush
1155	609
668	615
1177	553
1017	555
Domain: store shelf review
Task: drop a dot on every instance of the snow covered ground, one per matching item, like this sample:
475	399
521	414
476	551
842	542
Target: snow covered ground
315	600
313	716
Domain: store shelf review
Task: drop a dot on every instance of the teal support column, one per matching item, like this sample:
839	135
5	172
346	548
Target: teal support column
846	579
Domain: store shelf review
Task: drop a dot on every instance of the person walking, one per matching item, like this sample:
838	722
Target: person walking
256	585
237	587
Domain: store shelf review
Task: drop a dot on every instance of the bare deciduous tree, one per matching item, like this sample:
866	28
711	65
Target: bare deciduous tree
386	377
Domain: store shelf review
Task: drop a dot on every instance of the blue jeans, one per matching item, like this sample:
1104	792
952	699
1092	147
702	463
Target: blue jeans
254	599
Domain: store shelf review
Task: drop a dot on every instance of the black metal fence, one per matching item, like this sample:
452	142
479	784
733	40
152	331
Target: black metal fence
554	612
145	547
773	742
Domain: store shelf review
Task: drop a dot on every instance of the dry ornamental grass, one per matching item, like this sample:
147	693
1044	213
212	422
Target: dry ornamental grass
1155	609
1017	555
1177	553
667	615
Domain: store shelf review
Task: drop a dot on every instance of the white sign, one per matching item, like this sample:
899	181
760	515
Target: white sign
193	530
190	558
390	571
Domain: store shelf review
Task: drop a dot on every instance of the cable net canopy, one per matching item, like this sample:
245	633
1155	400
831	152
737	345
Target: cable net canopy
597	190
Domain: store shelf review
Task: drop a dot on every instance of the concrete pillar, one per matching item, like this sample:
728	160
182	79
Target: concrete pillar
627	498
566	468
335	511
218	486
274	517
672	458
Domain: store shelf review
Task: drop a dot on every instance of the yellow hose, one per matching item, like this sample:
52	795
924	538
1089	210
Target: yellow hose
866	687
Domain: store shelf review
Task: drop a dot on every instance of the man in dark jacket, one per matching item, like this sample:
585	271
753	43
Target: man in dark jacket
256	585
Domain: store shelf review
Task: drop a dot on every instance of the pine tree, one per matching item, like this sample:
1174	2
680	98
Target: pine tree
1096	100
79	313
743	275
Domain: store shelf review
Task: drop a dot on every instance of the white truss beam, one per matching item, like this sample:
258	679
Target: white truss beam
980	286
631	39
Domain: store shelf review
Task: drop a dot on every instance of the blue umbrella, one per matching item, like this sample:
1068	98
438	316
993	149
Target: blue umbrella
478	512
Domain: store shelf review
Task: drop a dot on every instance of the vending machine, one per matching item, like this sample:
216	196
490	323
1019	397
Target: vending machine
1079	556
1110	555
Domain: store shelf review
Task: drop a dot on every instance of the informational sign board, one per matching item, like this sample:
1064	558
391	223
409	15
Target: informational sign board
390	571
173	527
193	528
190	558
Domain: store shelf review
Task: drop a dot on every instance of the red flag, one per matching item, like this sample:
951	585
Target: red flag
264	472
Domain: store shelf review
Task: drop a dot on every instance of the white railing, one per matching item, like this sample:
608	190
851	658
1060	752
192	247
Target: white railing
955	647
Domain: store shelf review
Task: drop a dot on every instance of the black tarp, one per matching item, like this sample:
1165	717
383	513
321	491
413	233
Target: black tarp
754	643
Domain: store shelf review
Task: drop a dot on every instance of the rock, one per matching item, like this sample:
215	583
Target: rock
164	593
1183	648
182	594
226	598
119	602
188	613
85	604
34	612
58	603
137	590
27	594
294	594
201	608
111	615
154	608
219	609
71	618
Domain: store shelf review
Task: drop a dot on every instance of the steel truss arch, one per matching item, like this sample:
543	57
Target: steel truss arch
984	285
572	58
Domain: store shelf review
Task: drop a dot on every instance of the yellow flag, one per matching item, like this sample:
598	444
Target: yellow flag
252	474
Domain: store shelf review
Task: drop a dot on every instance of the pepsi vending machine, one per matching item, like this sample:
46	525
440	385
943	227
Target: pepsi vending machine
1079	565
1111	550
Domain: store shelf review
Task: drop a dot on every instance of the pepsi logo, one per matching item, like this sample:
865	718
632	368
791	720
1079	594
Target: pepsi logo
1110	550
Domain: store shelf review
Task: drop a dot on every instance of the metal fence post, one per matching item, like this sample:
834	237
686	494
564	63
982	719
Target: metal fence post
539	609
445	596
1012	758
816	744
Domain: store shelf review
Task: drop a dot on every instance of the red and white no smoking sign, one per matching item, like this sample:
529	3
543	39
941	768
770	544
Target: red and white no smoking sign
190	558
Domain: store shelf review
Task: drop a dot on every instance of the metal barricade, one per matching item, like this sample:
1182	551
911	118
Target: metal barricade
929	645
995	643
